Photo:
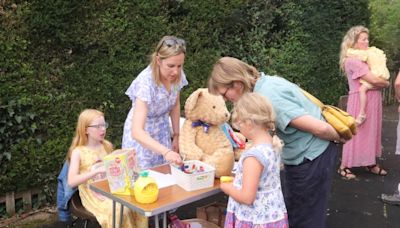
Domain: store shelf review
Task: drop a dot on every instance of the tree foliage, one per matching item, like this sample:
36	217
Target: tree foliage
385	29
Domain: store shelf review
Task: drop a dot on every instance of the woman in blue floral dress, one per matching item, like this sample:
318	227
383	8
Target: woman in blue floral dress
155	99
255	196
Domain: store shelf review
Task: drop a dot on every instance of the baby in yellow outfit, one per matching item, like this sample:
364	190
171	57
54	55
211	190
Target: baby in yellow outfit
376	60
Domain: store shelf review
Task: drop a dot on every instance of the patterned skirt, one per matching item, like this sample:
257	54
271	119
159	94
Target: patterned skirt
232	222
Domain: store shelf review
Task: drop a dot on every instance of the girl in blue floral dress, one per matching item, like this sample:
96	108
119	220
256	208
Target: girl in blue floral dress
155	99
255	196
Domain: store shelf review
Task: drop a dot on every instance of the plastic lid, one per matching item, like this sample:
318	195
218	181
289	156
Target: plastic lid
144	173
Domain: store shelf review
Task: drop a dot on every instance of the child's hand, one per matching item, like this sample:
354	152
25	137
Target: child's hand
225	187
98	172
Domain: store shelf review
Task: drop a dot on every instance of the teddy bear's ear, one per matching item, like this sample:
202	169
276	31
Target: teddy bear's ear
192	100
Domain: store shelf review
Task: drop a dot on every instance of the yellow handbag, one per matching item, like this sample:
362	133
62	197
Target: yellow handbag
342	121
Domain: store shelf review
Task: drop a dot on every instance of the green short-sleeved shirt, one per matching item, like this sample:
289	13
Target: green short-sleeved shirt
289	103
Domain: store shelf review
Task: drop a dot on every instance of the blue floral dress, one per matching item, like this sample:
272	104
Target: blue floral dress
159	103
268	209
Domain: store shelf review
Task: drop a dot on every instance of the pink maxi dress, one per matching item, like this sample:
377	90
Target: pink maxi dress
364	147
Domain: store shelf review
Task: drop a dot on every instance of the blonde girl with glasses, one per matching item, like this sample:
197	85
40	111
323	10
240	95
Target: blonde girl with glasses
255	196
155	99
88	147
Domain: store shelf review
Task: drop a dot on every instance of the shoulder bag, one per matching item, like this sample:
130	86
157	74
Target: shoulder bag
342	121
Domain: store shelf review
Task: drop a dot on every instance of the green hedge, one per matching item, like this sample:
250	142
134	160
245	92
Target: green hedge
385	29
60	57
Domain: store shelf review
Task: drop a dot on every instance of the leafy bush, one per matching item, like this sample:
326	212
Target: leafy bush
385	29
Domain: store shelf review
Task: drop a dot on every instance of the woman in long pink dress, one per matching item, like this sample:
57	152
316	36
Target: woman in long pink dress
363	149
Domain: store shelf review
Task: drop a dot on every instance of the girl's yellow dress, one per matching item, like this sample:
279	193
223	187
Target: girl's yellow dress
101	208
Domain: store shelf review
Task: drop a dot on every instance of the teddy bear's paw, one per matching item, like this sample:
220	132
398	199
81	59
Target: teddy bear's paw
223	164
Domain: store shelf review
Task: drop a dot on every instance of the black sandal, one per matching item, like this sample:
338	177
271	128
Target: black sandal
371	168
346	173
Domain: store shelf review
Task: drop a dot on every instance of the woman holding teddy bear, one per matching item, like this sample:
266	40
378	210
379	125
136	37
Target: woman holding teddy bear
155	99
309	153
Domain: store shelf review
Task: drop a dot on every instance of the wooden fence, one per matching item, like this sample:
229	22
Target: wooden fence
10	200
388	93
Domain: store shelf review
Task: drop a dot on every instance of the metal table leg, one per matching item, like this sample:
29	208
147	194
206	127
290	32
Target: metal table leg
156	221
165	220
121	215
113	214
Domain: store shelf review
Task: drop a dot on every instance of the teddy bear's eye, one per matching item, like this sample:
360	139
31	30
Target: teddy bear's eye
214	107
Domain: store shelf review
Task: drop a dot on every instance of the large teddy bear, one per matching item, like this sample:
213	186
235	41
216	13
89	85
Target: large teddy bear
201	137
